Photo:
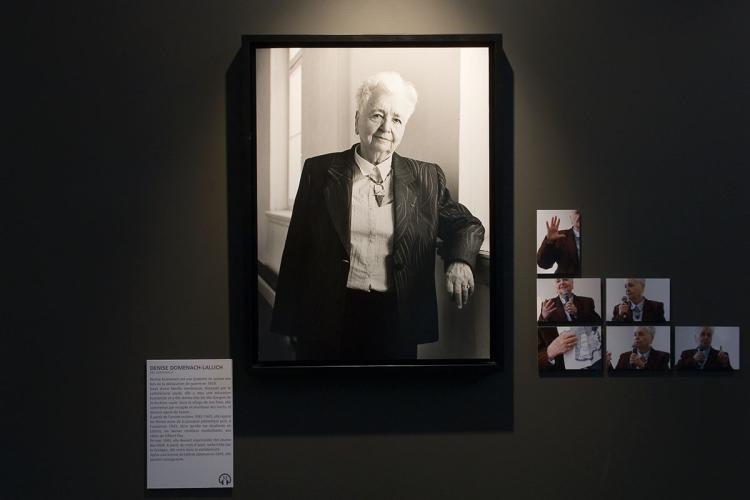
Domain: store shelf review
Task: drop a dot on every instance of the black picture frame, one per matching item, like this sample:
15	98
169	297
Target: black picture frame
242	136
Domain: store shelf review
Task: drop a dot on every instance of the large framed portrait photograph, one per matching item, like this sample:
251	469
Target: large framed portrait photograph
370	181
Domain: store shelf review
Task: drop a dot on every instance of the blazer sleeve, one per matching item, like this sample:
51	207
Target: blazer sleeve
595	315
623	362
615	316
660	311
686	361
540	319
590	313
547	254
294	265
461	232
663	361
541	353
713	364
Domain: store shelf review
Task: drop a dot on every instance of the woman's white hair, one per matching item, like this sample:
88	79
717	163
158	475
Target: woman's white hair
389	81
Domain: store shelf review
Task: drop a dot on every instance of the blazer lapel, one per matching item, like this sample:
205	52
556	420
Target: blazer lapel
404	199
338	195
579	307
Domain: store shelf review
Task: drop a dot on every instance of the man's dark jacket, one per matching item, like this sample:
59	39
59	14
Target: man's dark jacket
653	312
687	362
586	312
657	360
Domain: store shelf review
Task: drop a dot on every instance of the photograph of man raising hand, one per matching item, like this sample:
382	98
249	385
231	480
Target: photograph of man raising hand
559	250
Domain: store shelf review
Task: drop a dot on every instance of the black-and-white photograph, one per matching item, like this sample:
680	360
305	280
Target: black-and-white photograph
373	199
638	300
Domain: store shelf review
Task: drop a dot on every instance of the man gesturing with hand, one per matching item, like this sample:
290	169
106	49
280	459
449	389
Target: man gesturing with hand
561	247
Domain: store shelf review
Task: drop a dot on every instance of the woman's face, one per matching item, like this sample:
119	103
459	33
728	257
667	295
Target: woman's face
381	124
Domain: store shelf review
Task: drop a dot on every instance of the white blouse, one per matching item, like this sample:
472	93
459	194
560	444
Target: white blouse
371	228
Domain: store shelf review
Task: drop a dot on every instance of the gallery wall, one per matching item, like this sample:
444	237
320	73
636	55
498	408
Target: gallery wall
116	252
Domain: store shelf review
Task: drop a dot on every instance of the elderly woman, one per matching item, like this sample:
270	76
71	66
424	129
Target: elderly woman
643	356
635	307
357	273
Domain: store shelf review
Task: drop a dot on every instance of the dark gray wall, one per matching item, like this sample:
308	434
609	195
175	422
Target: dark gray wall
115	240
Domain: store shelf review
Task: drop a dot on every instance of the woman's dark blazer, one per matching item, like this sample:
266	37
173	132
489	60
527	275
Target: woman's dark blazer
315	262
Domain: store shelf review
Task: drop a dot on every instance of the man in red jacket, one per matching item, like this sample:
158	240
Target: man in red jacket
561	247
704	357
643	356
567	307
